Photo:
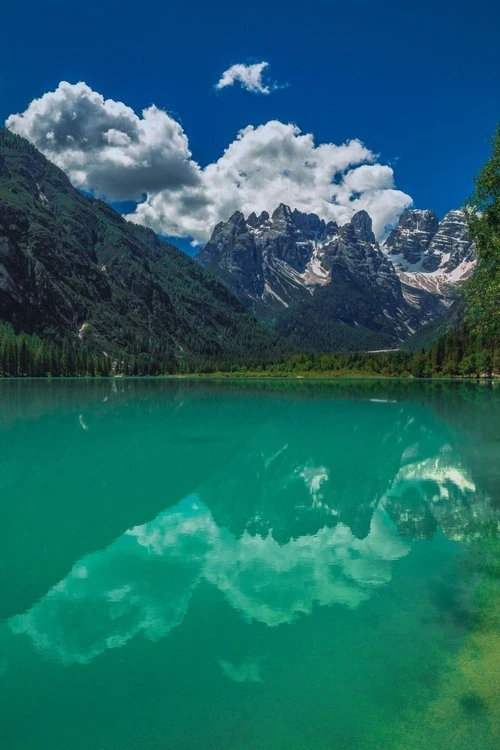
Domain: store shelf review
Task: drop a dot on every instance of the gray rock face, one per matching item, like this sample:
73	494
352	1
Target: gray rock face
294	264
300	272
361	226
420	244
264	259
354	247
431	257
411	238
451	245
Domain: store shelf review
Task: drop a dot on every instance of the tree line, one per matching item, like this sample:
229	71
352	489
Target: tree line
28	355
459	353
456	354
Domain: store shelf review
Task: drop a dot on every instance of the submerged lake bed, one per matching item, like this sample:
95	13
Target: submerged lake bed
252	565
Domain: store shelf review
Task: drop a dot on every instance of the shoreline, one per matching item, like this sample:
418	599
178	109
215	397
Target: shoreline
259	376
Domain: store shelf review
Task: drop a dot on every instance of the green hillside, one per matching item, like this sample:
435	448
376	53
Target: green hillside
72	269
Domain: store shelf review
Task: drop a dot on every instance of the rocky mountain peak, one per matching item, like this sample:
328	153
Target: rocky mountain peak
417	219
451	248
362	225
255	221
309	223
454	224
410	239
283	212
236	220
277	263
431	252
296	260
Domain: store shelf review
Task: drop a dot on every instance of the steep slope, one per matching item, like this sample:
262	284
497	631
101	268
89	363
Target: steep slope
327	287
431	255
323	286
425	336
71	266
361	306
267	260
409	241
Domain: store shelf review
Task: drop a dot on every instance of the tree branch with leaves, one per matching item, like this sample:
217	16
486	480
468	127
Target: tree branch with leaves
483	219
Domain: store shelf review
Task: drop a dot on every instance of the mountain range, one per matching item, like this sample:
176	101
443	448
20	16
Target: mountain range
72	267
328	287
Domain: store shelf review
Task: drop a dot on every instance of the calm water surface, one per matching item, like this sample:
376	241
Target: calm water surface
249	566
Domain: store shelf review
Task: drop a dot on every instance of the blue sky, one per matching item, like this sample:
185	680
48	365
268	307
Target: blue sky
418	84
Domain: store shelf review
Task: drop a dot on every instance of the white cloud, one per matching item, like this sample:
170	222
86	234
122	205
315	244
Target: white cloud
104	146
275	583
276	163
248	76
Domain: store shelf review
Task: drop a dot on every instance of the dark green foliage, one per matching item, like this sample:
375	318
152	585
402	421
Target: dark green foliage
483	219
27	355
307	330
425	337
458	353
72	268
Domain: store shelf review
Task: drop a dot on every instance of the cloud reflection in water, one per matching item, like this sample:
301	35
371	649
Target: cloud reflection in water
143	582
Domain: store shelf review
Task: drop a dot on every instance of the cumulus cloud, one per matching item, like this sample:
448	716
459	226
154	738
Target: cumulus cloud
104	146
248	76
276	583
276	163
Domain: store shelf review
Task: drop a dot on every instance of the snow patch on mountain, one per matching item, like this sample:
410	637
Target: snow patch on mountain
278	261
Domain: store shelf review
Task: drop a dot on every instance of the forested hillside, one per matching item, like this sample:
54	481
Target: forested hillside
73	272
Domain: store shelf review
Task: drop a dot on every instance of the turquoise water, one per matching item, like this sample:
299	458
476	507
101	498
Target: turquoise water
202	564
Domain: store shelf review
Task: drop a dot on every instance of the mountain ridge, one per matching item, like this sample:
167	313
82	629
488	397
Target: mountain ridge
445	254
71	266
299	272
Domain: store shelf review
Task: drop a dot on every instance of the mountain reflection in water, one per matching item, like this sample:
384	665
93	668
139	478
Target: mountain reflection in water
204	565
312	512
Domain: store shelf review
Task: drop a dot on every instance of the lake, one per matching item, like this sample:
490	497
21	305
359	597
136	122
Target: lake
299	565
